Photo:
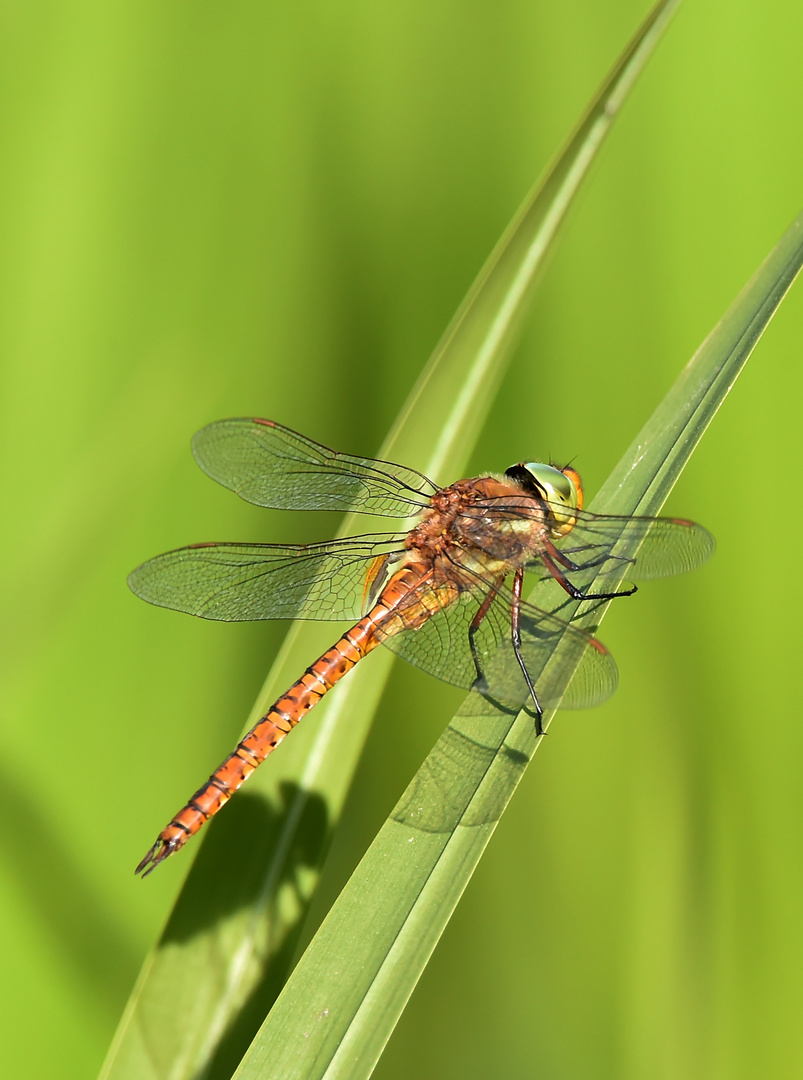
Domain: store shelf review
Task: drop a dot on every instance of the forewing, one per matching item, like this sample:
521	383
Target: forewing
553	652
637	547
240	582
270	465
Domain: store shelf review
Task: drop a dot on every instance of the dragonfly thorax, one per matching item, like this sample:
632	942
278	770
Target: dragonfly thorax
488	525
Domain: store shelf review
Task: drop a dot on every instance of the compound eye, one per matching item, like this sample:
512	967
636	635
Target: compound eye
559	490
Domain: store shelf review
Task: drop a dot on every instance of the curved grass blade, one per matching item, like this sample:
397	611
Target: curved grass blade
228	944
343	1000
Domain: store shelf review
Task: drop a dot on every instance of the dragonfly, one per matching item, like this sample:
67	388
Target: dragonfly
444	591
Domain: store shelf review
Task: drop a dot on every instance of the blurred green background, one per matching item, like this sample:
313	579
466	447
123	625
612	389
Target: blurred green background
273	209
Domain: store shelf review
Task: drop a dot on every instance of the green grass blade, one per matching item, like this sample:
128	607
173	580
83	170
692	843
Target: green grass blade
343	1000
464	370
228	944
656	457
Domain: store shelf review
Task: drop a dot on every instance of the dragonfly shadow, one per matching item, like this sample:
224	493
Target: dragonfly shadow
233	870
242	1028
472	747
232	893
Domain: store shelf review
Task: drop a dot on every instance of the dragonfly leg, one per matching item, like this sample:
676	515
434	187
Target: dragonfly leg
563	558
482	611
515	633
550	559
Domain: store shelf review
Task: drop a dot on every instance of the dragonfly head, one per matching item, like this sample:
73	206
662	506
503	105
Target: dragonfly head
559	488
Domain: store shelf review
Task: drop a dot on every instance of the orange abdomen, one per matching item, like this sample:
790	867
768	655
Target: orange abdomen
282	717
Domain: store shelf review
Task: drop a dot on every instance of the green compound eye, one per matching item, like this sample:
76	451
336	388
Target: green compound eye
556	485
561	490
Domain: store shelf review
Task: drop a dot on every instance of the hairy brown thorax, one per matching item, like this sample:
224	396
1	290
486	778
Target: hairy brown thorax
488	524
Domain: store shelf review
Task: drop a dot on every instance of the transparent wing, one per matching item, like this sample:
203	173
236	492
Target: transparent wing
270	465
650	547
330	581
638	547
240	582
553	652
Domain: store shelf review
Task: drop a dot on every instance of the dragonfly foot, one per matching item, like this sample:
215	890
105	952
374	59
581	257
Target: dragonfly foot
578	594
538	722
480	684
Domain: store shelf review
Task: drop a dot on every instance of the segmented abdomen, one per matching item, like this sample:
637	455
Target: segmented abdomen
383	619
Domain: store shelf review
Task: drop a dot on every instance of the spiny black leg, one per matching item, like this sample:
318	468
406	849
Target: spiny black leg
515	628
563	558
482	611
572	590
